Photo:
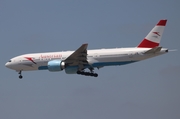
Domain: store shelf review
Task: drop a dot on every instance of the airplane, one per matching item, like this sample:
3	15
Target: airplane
75	62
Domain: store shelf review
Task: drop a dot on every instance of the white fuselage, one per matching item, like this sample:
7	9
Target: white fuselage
96	58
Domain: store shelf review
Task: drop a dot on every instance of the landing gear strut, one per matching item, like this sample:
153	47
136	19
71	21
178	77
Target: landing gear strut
20	76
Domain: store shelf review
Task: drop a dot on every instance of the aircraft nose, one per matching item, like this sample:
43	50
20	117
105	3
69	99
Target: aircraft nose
7	65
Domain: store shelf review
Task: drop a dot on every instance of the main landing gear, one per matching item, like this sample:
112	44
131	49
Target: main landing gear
87	73
20	76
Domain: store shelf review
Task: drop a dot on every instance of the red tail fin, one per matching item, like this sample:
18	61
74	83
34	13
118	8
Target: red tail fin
154	37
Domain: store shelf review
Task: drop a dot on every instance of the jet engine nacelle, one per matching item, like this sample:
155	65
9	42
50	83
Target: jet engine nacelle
56	65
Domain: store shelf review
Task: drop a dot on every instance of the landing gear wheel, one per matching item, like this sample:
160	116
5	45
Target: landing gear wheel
20	77
87	73
78	72
95	75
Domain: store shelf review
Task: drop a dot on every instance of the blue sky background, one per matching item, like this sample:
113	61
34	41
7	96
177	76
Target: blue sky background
145	90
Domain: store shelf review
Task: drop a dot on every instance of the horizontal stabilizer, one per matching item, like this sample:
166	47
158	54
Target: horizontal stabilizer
153	50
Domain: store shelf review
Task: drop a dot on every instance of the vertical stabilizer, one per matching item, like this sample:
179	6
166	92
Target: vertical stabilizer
154	37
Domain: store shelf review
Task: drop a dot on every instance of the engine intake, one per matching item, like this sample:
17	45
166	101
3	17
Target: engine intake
56	65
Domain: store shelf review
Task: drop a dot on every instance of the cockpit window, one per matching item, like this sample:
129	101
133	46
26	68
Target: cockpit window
9	60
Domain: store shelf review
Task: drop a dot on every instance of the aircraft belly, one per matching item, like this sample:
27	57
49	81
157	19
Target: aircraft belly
102	64
28	66
112	61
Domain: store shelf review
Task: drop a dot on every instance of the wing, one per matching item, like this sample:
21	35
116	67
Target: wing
78	57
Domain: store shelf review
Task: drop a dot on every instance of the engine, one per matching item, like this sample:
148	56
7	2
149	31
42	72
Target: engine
56	65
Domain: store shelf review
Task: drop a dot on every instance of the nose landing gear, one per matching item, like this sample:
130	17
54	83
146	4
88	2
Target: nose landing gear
20	76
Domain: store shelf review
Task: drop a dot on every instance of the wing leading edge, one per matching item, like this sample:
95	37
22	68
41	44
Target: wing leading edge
78	57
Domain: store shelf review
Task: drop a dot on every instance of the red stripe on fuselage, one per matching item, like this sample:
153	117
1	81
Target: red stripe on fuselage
30	59
147	44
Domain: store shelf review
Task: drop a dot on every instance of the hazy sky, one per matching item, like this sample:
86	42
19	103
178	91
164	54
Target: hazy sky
145	90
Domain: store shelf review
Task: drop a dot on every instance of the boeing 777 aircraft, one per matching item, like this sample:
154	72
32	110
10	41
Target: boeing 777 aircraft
75	62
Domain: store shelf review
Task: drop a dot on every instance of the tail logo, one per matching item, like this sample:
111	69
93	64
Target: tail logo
157	33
